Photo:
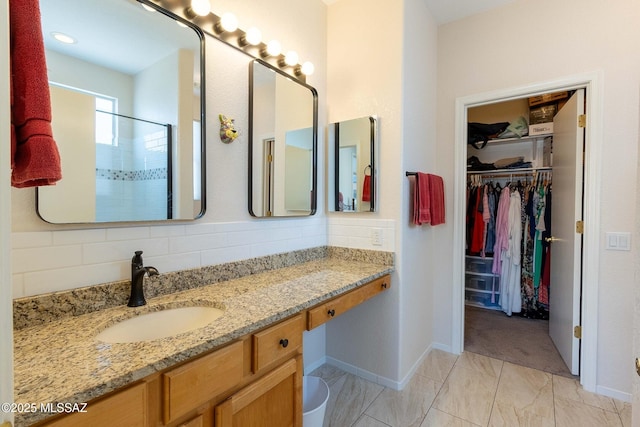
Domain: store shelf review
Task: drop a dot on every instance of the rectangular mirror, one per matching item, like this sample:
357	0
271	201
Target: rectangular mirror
127	102
283	129
352	158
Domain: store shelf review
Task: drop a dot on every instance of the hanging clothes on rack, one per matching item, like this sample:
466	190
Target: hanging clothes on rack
510	272
510	224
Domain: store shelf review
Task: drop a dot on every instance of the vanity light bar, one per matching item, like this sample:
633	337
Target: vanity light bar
225	28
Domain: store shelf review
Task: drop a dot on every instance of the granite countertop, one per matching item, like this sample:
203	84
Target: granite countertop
62	361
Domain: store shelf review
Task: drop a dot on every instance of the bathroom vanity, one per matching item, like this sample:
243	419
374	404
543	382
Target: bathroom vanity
245	364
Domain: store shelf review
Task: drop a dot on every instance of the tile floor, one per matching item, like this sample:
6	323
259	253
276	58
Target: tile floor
467	391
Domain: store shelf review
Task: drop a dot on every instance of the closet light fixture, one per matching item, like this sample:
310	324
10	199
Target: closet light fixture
147	7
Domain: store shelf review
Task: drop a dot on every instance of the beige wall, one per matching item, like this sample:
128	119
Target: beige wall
527	42
381	60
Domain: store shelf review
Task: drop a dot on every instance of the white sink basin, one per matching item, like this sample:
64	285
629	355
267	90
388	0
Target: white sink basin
159	324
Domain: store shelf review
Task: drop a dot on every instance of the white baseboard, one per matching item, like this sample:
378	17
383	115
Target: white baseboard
379	379
616	394
443	347
314	365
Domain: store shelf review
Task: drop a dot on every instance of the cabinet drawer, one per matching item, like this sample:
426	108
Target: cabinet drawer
124	408
335	307
482	282
197	382
278	341
478	264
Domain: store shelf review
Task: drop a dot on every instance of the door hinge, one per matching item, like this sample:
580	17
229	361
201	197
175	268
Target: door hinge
577	332
269	158
582	120
580	227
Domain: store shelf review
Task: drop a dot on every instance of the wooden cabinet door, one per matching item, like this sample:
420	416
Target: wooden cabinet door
273	400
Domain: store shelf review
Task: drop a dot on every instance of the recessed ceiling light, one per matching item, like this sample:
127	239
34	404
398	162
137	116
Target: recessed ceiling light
63	38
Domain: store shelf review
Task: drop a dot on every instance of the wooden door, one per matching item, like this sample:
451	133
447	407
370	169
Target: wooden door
566	250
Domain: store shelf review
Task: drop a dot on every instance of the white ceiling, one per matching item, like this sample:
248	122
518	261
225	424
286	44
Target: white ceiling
451	10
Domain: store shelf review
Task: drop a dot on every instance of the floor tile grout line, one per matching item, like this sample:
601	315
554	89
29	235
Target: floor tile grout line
495	393
364	411
441	386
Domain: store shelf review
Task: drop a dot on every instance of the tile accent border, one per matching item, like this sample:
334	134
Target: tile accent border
45	308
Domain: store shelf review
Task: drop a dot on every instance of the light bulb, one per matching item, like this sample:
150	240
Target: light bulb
253	36
229	22
307	68
201	7
291	58
274	48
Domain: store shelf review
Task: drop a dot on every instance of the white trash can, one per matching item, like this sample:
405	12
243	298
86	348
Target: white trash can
315	395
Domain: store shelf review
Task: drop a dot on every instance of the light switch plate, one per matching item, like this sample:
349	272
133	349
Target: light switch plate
618	241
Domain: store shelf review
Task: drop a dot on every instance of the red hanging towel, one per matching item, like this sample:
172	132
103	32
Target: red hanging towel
35	159
436	192
428	203
366	188
421	200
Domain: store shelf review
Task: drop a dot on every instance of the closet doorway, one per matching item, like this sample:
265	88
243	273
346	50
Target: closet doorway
578	268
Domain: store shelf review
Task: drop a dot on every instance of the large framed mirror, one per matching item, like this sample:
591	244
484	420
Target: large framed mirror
352	165
283	144
127	96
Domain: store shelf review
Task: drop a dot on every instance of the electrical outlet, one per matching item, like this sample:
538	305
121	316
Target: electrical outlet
377	237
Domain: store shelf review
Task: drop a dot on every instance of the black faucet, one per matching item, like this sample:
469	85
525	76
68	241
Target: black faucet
137	278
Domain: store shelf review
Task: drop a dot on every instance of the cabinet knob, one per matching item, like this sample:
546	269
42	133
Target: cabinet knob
284	342
331	312
384	285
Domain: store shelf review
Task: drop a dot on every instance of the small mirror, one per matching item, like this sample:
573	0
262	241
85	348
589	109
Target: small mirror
127	108
283	129
352	156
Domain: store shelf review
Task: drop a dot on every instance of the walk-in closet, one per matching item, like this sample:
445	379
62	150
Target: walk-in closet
509	223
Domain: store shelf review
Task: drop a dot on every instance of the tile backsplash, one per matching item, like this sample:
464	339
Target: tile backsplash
50	261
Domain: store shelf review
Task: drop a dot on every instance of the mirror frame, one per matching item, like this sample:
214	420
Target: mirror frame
203	160
373	140
314	156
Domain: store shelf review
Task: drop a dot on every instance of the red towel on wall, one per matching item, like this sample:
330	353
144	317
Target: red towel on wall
35	159
428	199
366	188
436	192
421	200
